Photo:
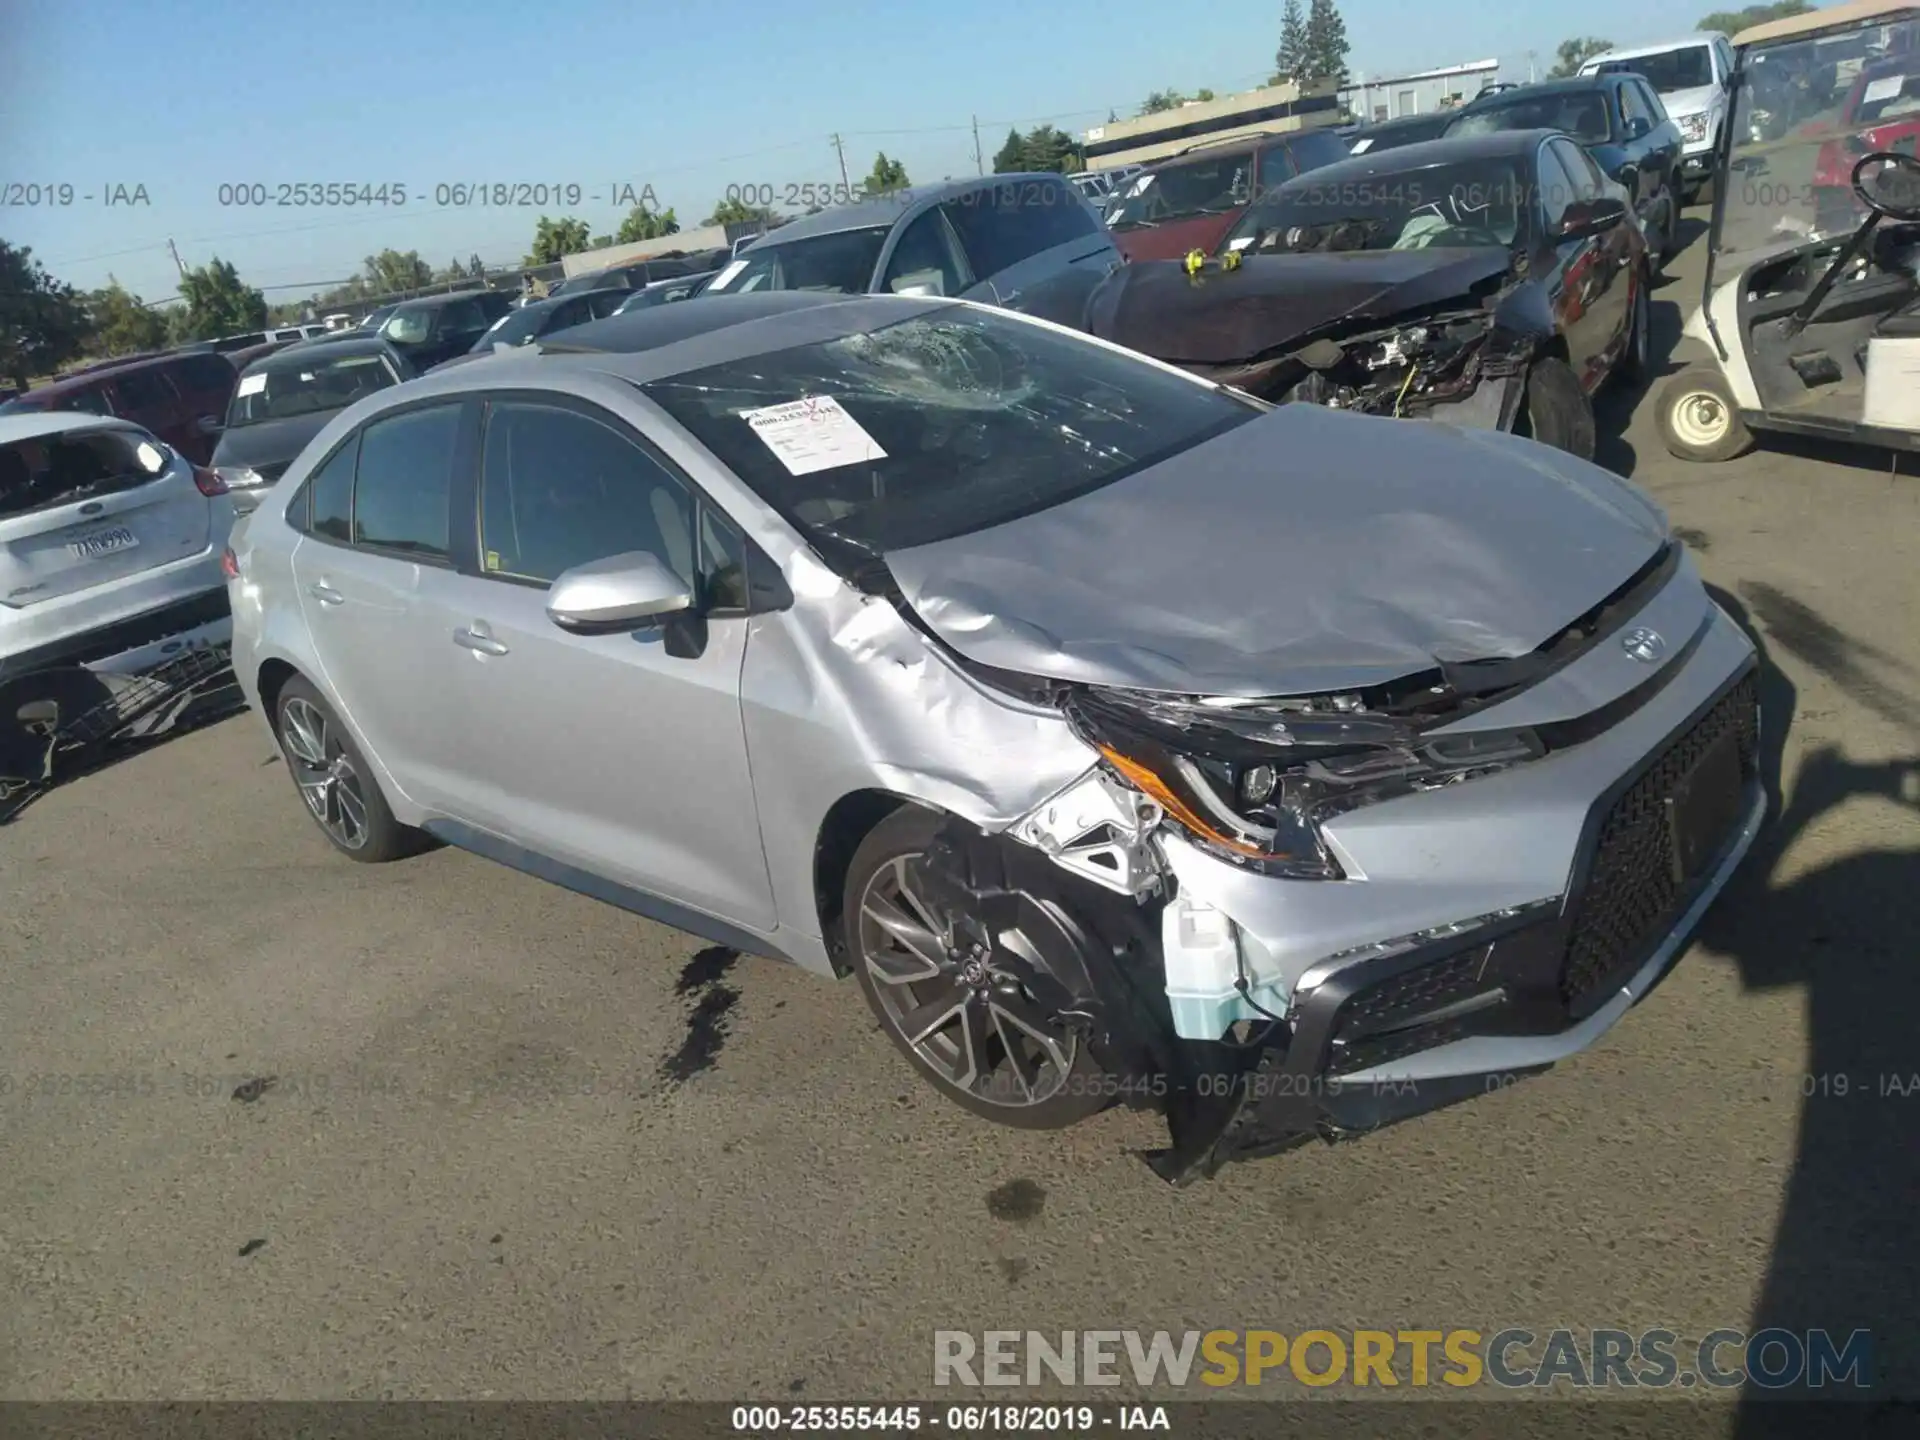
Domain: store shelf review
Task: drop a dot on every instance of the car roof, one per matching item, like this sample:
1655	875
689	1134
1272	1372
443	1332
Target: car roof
435	302
80	378
1571	84
1854	15
1403	122
553	302
1634	52
1422	153
37	425
300	349
666	340
886	209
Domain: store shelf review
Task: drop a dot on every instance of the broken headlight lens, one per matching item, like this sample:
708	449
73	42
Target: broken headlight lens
1254	781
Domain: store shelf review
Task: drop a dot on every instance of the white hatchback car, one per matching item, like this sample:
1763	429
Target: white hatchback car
110	545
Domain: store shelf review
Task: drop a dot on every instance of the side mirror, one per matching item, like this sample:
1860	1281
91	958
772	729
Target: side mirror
1638	127
1584	218
617	594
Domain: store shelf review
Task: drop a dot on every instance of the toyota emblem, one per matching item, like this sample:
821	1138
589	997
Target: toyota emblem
1644	645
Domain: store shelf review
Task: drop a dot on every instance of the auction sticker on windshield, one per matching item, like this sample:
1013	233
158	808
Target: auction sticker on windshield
251	384
812	433
725	277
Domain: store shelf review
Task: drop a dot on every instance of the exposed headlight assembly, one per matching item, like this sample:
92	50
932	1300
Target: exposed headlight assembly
1253	781
1692	127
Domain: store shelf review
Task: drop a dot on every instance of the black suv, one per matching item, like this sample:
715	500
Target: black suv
438	327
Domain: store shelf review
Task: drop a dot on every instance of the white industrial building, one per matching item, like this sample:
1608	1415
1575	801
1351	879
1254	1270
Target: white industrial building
1389	98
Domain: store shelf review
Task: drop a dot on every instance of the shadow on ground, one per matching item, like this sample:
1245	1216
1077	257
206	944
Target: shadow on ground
23	746
1844	1257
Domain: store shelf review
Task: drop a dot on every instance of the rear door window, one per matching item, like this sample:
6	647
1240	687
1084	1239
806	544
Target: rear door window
90	400
403	482
329	496
1001	225
923	261
208	374
1314	149
143	392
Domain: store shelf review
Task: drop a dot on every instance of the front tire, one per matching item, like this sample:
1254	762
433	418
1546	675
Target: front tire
1555	410
1698	419
335	782
955	1007
1636	361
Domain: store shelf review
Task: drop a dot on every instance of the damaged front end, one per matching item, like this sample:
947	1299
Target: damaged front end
1457	365
1181	1007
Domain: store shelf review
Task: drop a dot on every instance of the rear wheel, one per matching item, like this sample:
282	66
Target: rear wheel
1555	410
1698	419
335	782
954	998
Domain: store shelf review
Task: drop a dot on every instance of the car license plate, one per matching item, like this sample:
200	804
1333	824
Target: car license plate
102	542
1704	808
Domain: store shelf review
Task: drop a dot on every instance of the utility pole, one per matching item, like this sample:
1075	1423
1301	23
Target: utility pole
178	263
979	165
841	151
1530	55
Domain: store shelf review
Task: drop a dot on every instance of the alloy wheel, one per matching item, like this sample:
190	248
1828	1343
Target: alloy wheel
325	773
958	1001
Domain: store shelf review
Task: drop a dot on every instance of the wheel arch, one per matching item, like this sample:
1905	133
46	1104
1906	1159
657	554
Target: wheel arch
848	821
270	680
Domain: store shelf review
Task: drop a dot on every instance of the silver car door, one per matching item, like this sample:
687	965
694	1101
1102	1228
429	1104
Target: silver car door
621	755
370	570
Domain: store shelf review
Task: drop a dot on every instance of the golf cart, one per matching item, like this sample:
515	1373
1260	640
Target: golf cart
1811	304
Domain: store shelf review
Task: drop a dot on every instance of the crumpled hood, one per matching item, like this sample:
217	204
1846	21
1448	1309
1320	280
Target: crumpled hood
1696	101
1306	551
270	442
1220	317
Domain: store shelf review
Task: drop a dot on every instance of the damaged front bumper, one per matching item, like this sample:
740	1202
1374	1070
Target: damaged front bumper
1481	931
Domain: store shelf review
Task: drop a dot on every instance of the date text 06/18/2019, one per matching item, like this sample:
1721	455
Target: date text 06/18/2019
961	1419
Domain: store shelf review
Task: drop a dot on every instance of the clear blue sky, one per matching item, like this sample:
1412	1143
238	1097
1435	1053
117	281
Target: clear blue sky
183	97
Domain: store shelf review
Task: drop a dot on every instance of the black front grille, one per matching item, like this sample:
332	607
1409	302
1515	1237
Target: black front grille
1369	1030
1632	896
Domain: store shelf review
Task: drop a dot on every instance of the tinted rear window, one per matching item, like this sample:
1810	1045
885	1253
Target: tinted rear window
57	470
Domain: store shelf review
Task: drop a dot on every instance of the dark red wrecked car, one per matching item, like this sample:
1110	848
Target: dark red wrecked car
1495	281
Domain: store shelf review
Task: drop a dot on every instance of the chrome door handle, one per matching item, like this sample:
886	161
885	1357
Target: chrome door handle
482	644
325	593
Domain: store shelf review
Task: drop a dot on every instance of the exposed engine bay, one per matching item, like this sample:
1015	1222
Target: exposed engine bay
1402	371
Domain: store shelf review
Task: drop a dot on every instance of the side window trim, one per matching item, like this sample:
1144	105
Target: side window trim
703	505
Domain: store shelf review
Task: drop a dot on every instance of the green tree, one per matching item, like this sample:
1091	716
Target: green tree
886	176
1325	41
736	211
1732	22
1162	100
392	270
122	323
1203	95
1292	54
475	270
554	240
644	224
1041	148
219	302
1572	54
43	321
